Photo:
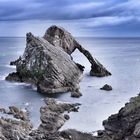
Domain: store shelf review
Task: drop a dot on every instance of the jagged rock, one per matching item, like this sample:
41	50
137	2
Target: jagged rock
53	116
18	113
14	130
46	66
59	37
14	77
15	62
52	119
106	87
125	124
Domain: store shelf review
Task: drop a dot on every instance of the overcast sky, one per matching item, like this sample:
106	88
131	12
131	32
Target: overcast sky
80	17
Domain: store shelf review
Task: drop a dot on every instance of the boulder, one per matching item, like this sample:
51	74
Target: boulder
106	87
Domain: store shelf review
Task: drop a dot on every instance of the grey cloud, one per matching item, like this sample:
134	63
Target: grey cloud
65	9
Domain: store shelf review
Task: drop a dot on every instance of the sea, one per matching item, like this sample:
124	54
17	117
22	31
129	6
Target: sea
121	56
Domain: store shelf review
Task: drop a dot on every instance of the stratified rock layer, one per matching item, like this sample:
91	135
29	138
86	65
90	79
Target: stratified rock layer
47	63
59	37
106	87
47	66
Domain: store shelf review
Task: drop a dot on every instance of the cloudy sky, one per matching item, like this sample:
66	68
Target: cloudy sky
98	18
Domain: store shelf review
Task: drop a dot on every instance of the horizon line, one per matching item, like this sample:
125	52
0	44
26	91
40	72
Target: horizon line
80	36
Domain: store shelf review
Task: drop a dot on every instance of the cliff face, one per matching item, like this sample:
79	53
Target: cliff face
47	66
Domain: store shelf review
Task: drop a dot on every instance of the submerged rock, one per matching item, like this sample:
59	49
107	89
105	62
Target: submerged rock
14	77
106	87
59	37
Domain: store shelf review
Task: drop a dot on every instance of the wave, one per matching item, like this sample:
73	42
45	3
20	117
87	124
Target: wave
2	77
9	66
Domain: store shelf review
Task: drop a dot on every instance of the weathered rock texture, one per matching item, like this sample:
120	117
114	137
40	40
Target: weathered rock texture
125	125
59	37
47	63
48	67
53	117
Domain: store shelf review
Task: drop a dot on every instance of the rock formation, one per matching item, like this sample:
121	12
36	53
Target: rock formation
46	66
47	63
53	117
59	37
125	125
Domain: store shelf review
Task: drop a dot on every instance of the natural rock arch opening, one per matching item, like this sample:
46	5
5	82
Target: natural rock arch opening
59	37
47	63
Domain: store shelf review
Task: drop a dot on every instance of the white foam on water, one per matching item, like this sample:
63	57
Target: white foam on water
20	84
34	88
10	66
2	77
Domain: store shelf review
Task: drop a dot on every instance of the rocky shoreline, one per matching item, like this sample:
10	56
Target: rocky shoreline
125	125
47	64
53	116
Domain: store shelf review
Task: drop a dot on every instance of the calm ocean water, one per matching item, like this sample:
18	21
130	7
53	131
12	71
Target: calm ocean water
120	56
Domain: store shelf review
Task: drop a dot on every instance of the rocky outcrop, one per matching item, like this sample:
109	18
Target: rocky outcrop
125	125
46	66
106	87
47	63
53	117
59	37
